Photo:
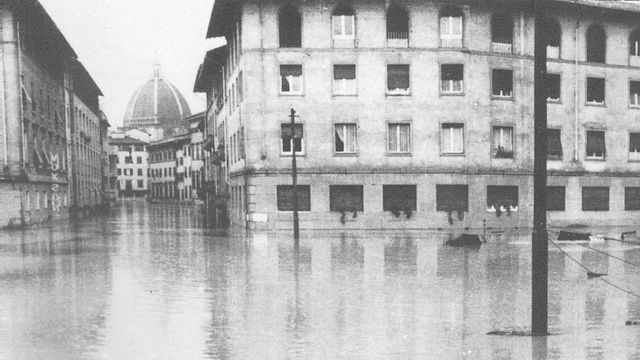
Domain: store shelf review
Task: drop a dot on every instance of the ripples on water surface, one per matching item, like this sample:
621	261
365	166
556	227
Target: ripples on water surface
152	283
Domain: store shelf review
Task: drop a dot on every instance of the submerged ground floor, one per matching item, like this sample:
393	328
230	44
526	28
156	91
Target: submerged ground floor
426	200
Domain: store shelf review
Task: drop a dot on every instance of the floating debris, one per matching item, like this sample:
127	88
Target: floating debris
465	240
629	234
573	236
514	333
632	322
591	275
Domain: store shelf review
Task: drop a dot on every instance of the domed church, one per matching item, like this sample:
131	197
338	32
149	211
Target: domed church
158	108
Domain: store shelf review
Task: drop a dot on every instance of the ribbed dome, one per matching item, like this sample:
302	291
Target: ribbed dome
157	103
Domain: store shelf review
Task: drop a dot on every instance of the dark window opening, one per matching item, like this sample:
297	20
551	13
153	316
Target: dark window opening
398	78
595	198
451	78
290	26
634	43
397	23
555	198
502	82
553	35
596	147
285	197
634	142
502	29
128	160
554	144
595	90
290	138
634	93
596	44
632	198
397	198
553	87
503	198
451	198
291	78
346	198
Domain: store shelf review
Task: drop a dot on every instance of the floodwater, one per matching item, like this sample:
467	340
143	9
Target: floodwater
149	282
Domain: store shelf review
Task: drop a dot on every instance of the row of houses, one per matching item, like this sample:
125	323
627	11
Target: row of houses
419	114
53	134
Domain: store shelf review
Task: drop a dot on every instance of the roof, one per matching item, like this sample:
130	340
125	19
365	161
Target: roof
156	102
126	141
36	14
220	17
213	59
172	140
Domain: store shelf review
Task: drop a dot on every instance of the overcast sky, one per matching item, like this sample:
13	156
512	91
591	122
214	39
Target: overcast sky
117	41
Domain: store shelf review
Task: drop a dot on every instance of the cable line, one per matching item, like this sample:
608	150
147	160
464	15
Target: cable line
613	256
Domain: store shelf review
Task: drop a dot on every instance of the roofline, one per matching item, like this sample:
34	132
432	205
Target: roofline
41	11
85	73
175	139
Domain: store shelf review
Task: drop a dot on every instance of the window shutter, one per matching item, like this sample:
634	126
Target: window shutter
398	77
451	72
291	70
344	72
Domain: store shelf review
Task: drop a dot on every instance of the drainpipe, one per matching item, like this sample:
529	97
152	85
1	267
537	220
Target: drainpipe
575	91
22	135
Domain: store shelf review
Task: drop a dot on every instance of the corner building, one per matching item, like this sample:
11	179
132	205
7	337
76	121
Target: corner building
419	114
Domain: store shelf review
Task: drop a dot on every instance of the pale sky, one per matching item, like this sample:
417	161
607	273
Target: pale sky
117	41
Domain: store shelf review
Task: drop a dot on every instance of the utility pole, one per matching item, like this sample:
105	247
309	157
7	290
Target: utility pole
294	175
540	245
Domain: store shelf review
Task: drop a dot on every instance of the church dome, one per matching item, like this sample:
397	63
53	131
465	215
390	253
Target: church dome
156	103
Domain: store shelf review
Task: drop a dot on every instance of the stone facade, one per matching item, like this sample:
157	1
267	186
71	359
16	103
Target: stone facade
445	99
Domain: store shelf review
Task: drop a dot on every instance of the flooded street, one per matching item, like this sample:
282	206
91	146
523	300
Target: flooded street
150	282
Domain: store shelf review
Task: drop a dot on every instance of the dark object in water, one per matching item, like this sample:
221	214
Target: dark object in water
632	322
628	234
514	333
591	275
465	240
573	236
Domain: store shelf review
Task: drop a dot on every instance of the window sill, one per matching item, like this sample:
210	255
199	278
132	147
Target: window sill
345	95
596	104
289	94
503	209
600	159
453	154
394	94
634	106
452	93
503	158
302	154
553	101
355	154
498	97
399	154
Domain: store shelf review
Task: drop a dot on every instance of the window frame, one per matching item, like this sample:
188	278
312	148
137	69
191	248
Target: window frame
343	28
498	96
398	152
399	92
300	79
451	92
595	158
635	105
494	150
604	92
334	88
302	152
450	35
442	139
344	152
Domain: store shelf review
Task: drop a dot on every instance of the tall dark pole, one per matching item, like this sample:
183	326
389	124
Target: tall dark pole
294	175
540	246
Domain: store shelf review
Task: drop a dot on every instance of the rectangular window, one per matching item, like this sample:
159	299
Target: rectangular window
139	172
119	171
502	198
595	91
634	93
554	144
398	79
451	78
553	87
452	139
451	27
345	138
139	160
595	198
285	197
292	139
140	184
502	138
502	83
397	198
634	143
555	198
346	198
452	198
399	138
596	147
291	79
344	79
632	198
343	26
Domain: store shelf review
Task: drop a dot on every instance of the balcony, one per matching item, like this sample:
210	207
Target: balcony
399	39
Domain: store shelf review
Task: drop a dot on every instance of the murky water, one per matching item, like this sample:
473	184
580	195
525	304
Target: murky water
151	283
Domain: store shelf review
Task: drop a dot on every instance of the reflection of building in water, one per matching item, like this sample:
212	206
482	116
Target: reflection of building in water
420	114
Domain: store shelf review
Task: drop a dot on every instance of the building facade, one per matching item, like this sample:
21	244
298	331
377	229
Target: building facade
132	166
36	134
420	114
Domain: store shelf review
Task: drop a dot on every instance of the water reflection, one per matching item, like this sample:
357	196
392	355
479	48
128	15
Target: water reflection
151	282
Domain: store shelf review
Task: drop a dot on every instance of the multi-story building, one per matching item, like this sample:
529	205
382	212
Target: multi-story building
132	165
194	162
167	168
37	76
420	114
87	132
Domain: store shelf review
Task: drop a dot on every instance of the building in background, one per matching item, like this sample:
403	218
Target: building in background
132	165
166	168
194	171
420	114
36	135
158	108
